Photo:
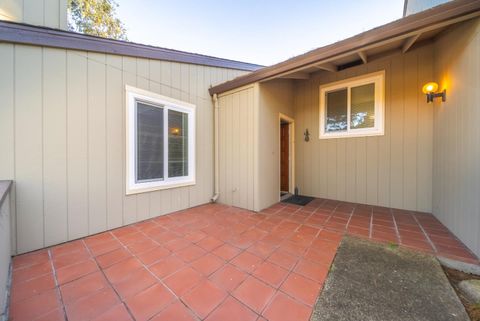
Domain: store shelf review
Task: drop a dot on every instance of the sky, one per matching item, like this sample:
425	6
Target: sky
264	32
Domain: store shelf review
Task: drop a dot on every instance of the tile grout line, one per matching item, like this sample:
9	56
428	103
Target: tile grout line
426	235
160	280
371	225
106	278
396	229
57	286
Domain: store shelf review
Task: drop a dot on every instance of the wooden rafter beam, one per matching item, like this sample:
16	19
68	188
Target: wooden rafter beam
328	66
363	56
409	42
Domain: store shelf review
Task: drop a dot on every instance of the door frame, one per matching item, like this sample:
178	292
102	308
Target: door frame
291	153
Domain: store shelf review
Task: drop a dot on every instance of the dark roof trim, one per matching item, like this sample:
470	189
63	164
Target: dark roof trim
410	24
41	36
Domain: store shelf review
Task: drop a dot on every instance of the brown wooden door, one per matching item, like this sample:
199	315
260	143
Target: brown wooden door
284	157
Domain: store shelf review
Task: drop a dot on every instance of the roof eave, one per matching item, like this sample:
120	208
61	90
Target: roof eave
450	11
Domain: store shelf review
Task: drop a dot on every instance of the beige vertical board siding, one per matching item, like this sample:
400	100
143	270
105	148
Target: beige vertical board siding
51	13
97	146
65	140
143	199
275	98
384	142
297	101
373	152
129	78
410	135
48	13
425	139
63	13
114	138
252	136
34	12
28	147
229	184
379	170
11	10
77	144
456	170
205	150
195	190
55	145
236	117
222	145
307	152
234	123
396	132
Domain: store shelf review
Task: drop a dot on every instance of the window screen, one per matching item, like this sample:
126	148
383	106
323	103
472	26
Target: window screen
363	106
177	144
336	109
149	142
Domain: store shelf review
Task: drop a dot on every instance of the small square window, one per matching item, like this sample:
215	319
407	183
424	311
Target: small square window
353	107
160	142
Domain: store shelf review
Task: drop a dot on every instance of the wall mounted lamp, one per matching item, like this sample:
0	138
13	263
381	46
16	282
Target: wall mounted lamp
430	89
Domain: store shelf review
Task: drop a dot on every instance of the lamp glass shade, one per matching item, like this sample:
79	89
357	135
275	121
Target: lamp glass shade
430	87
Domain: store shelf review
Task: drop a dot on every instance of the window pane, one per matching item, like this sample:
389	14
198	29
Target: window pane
177	144
149	142
336	102
363	106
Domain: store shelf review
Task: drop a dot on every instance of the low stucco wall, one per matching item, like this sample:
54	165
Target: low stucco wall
5	257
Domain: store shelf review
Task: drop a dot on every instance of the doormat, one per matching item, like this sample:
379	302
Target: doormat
299	200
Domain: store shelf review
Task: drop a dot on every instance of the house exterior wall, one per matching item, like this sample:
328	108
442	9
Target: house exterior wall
456	161
275	97
62	132
393	170
238	124
47	13
414	6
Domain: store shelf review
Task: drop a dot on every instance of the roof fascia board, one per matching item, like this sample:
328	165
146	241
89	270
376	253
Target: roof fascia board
40	36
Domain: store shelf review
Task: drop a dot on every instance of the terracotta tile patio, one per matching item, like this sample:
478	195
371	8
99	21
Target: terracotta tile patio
211	262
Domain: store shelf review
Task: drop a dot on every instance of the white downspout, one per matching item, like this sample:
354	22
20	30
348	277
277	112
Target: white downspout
216	135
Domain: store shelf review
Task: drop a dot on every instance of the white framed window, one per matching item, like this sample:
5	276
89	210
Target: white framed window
160	136
353	107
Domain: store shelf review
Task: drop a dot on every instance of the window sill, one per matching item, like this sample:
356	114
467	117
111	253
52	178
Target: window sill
131	191
351	135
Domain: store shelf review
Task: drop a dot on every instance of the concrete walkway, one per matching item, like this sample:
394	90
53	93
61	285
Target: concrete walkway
370	281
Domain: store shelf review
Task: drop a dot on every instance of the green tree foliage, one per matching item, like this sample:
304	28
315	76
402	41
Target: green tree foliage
96	17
